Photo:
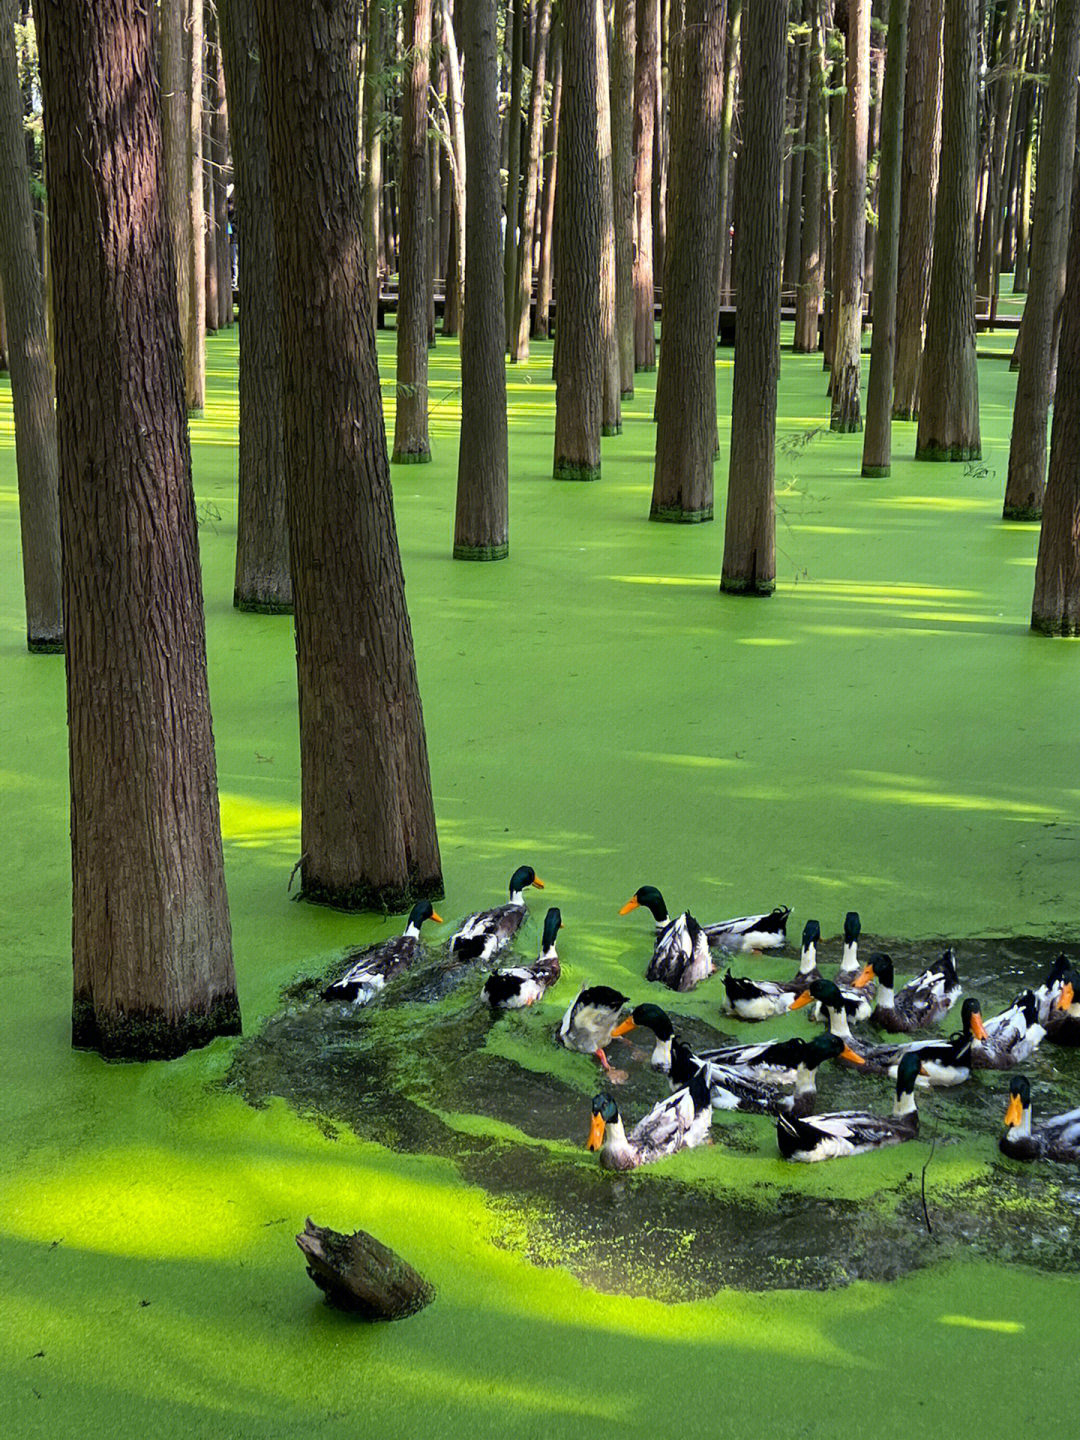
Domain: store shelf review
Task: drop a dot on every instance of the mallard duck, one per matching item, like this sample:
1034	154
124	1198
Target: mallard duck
850	1132
525	984
757	999
680	957
732	1089
1063	1021
747	932
590	1022
775	1062
483	935
920	1003
861	1000
1055	1139
829	1002
651	1017
374	966
1049	992
1011	1037
678	1123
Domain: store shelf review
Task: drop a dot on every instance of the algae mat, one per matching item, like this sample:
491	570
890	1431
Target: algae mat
883	735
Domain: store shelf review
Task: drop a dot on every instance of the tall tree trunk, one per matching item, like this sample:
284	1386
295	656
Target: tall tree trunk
515	36
152	949
519	345
375	51
834	163
542	314
455	284
624	44
877	442
811	273
731	57
750	523
1023	211
846	378
28	360
918	199
195	329
1049	241
795	218
209	165
1002	91
949	391
611	370
481	525
175	132
686	388
367	822
1055	606
578	375
645	103
411	442
263	582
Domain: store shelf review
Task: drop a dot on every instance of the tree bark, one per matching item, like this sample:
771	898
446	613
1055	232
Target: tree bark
542	315
847	362
686	388
1001	105
877	442
519	347
812	270
152	951
263	582
219	124
367	822
918	199
645	102
1023	214
515	36
750	524
359	1274
1049	240
455	301
373	145
611	370
731	57
412	445
481	525
210	264
949	391
27	354
175	127
578	377
195	328
795	219
624	38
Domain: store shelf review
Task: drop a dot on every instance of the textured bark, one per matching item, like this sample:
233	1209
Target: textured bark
152	951
578	374
949	390
219	125
877	442
812	269
850	252
645	102
359	1274
210	270
610	365
918	199
1001	98
750	524
686	388
28	360
542	315
367	821
1023	210
1055	607
519	330
195	324
624	42
412	444
263	582
455	289
1049	240
175	125
481	524
515	33
373	146
834	159
724	187
795	218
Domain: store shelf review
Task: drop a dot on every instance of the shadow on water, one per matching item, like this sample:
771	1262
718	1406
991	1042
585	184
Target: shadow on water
414	1072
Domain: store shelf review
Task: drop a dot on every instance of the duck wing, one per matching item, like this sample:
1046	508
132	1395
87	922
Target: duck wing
843	1132
680	959
767	931
672	1124
372	968
484	934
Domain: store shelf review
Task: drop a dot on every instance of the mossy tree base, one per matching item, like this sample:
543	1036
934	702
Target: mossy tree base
733	586
149	1034
949	452
1054	625
481	552
611	429
385	899
250	605
876	472
45	644
571	470
675	515
1022	512
361	1275
411	457
905	412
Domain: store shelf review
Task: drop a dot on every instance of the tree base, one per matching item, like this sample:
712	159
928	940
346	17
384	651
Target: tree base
361	1275
481	552
1022	512
611	429
1056	626
644	369
676	515
949	452
45	644
627	394
905	412
252	605
845	425
385	899
733	586
411	457
147	1034
570	470
876	472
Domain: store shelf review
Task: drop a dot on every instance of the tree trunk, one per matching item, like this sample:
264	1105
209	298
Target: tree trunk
195	329
481	525
579	377
918	199
811	273
645	101
152	950
368	826
1049	242
750	526
877	442
519	346
795	217
411	443
686	388
1023	211
1001	104
1055	607
624	38
455	286
611	370
515	35
850	254
28	360
175	128
263	582
210	265
949	392
731	57
542	315
373	146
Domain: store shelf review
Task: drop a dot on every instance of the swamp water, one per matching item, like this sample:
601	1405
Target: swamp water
420	1070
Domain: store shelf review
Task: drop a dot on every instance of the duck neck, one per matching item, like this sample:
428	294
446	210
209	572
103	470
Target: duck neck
904	1106
849	961
885	996
412	930
805	1081
838	1024
548	952
661	1056
616	1146
517	897
1023	1130
808	960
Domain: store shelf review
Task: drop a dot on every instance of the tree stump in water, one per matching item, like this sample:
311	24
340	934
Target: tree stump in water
360	1274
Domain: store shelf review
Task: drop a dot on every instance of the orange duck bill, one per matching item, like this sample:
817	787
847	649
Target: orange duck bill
1014	1115
596	1133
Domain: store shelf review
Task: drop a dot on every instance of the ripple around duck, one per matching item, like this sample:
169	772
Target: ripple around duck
415	1072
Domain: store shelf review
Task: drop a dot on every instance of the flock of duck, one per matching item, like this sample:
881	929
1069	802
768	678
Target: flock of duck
756	1077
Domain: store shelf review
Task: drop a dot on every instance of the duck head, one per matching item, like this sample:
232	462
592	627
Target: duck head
522	877
1018	1114
552	926
879	967
971	1019
420	912
604	1112
827	1046
652	900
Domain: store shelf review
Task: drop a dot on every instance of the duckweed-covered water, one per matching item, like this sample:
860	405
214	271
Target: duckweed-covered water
427	1068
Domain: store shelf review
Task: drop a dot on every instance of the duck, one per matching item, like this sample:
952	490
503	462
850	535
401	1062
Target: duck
852	1132
590	1022
861	999
732	1089
1011	1037
374	966
523	985
763	999
1063	1021
651	1017
1055	1139
481	936
829	1002
774	1062
1049	992
680	958
922	1002
679	1122
747	932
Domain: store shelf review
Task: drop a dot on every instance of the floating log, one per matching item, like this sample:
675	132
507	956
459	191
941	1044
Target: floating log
359	1274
